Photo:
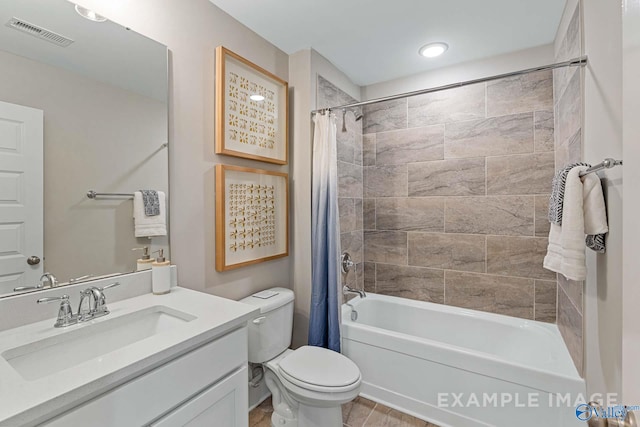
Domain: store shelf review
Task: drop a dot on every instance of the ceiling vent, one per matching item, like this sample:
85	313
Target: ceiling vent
39	32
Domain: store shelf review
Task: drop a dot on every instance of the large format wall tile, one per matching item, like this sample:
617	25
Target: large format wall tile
542	224
369	149
570	109
464	103
574	291
385	181
370	276
503	295
410	214
383	116
432	201
352	243
520	174
327	93
465	252
410	145
569	151
424	284
511	215
347	210
349	180
457	177
369	214
517	256
543	130
523	93
346	141
385	246
570	325
546	304
495	136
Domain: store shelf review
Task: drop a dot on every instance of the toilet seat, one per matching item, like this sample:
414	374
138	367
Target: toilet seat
319	369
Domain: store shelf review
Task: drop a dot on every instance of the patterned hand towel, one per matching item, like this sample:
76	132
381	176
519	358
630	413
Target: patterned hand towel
595	242
151	202
145	225
558	185
583	213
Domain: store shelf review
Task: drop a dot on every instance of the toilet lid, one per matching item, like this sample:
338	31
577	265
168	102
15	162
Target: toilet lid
321	367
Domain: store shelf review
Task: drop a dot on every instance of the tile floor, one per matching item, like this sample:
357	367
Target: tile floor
359	413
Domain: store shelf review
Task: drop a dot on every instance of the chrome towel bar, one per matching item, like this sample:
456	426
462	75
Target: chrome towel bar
607	163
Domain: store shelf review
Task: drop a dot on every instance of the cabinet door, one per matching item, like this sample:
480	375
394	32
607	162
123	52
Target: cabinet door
224	404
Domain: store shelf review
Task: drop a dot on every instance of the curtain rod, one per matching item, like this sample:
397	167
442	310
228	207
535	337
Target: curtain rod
581	61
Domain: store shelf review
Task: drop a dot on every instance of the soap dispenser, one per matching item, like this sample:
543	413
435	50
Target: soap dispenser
160	275
143	263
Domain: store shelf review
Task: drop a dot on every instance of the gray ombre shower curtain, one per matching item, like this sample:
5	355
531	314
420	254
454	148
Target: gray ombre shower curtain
324	322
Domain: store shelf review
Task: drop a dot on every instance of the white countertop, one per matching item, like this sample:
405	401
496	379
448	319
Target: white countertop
24	402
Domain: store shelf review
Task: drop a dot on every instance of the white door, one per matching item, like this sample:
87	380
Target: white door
21	196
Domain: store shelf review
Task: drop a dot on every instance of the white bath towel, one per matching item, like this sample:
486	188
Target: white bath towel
148	226
584	213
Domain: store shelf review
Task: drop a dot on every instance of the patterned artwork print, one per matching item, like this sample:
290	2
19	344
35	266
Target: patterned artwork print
252	216
251	117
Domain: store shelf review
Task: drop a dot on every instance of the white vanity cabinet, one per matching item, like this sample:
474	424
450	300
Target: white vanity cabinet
206	386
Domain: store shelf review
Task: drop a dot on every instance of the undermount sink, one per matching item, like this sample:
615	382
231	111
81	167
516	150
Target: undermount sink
89	341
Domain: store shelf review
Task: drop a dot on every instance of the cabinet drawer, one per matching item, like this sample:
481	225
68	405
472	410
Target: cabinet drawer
147	397
225	404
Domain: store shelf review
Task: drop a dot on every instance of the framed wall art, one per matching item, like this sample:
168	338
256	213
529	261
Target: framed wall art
252	216
251	110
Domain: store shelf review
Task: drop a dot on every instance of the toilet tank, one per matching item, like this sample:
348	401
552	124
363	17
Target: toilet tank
270	331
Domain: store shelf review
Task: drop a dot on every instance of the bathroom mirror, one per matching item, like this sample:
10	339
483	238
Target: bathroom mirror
83	106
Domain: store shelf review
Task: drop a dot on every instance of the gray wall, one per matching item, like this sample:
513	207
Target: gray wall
96	136
192	30
456	189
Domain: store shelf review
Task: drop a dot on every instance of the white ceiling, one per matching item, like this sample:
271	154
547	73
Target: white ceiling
378	40
103	51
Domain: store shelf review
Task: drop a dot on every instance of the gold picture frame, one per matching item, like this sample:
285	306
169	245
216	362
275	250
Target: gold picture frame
252	216
252	110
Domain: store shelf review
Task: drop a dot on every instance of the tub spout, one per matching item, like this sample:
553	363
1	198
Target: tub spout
348	290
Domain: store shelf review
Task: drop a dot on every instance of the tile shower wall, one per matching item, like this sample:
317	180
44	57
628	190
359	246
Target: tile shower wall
567	90
455	188
350	182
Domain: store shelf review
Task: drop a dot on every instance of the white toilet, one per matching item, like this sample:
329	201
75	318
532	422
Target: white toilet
308	385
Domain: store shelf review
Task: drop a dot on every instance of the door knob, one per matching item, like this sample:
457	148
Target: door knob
33	260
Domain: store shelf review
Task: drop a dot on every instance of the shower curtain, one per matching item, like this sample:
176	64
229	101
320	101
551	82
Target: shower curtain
324	322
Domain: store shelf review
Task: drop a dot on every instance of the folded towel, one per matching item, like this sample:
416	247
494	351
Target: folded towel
557	193
595	213
151	202
583	213
148	226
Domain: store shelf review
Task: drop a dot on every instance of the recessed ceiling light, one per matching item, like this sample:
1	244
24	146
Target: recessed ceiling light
89	14
432	50
256	97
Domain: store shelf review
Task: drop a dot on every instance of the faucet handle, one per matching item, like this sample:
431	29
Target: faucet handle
47	300
65	313
110	285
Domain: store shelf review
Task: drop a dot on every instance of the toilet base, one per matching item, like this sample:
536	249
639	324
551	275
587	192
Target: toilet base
309	416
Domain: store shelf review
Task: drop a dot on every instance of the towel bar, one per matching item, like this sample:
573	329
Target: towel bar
607	163
93	195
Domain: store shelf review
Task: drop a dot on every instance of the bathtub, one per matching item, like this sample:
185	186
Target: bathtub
461	368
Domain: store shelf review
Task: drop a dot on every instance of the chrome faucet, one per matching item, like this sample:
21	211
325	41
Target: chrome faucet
349	290
46	277
97	306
